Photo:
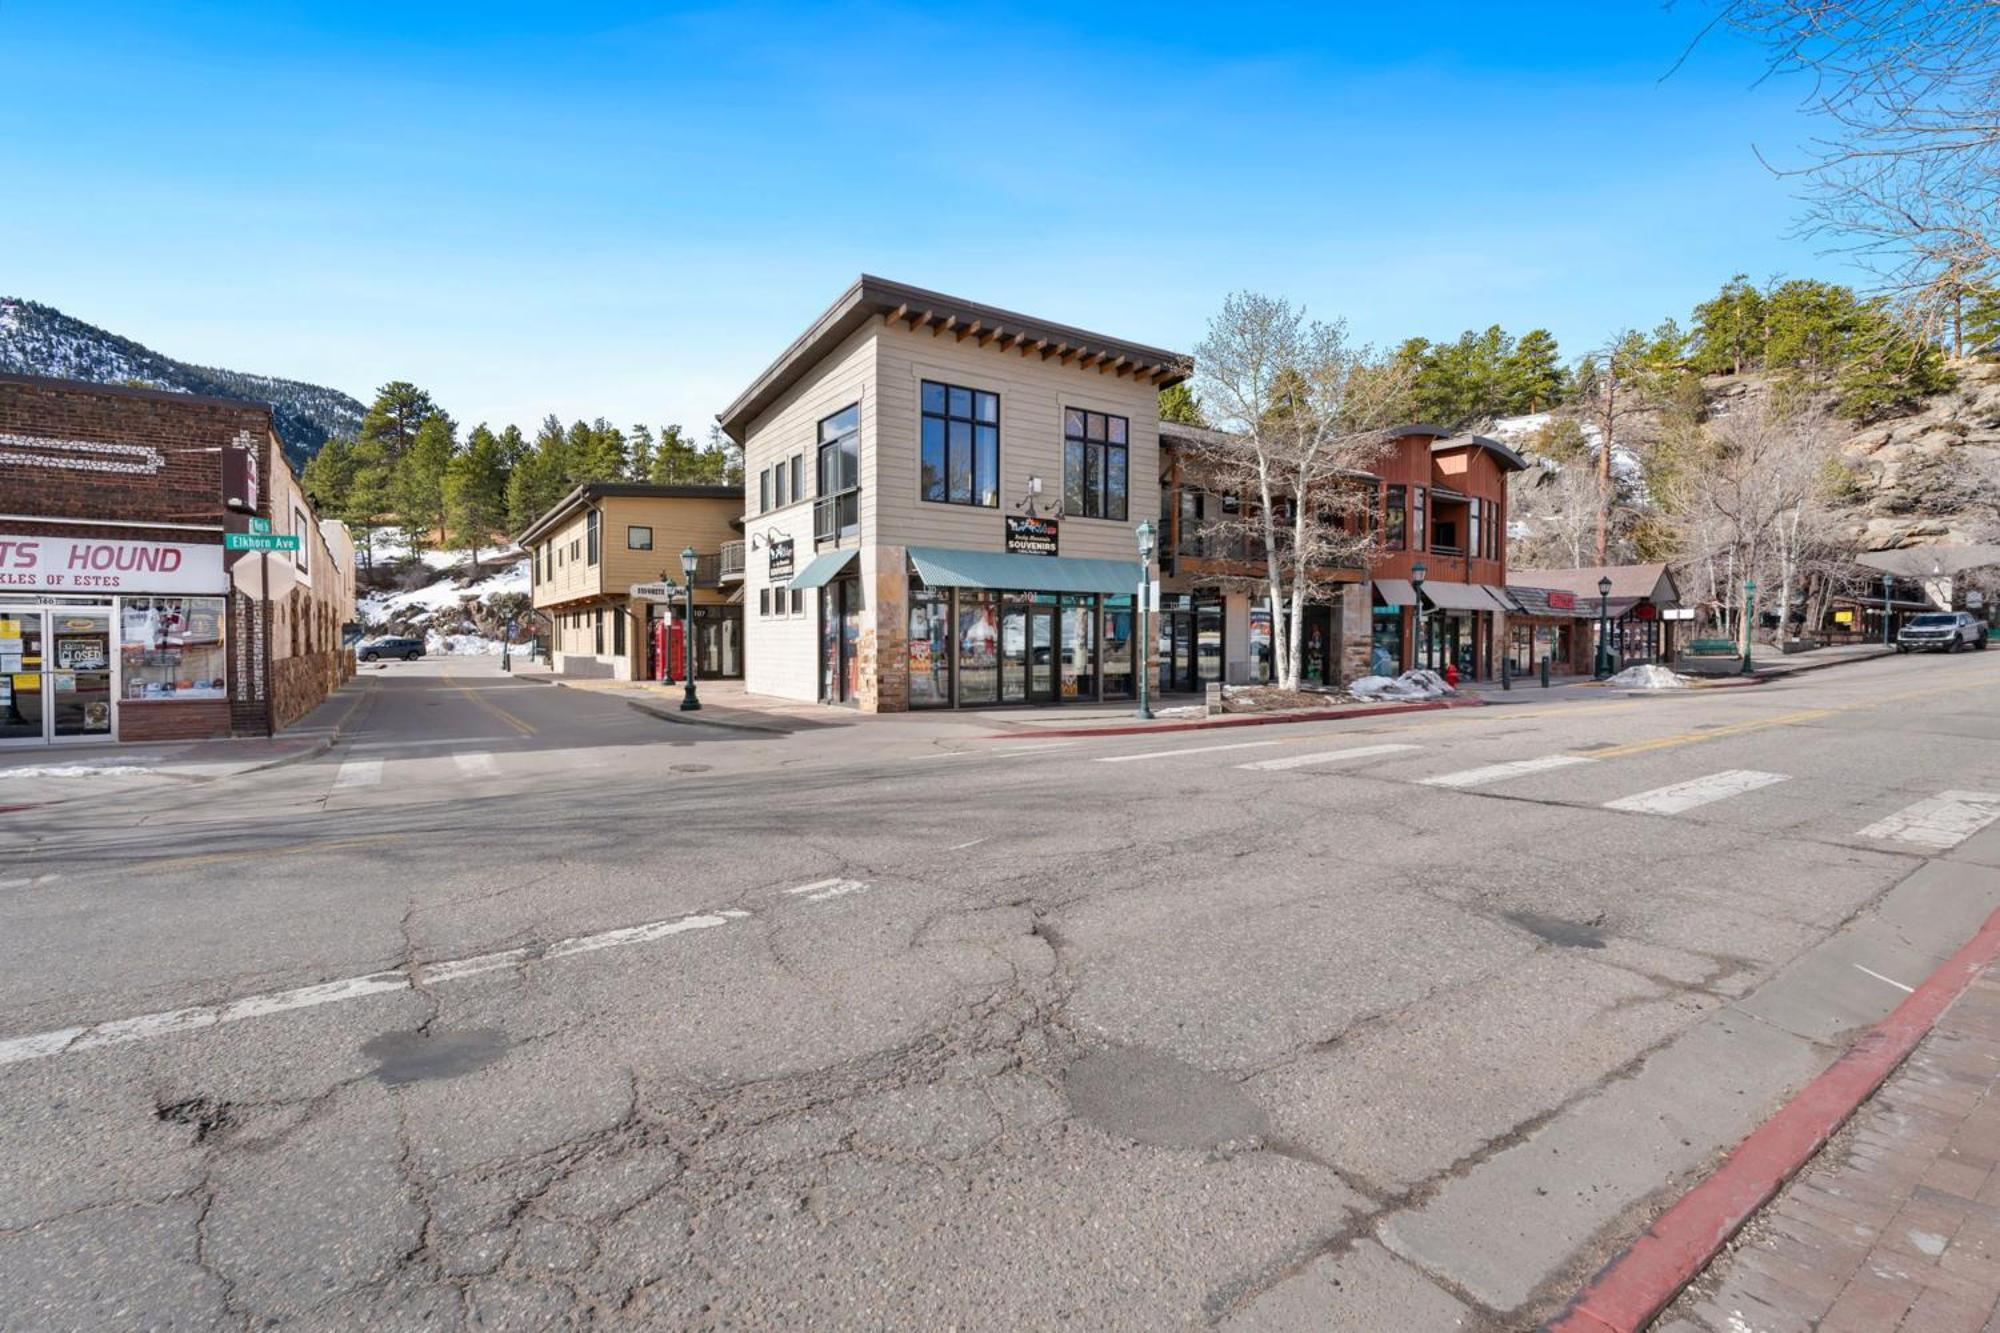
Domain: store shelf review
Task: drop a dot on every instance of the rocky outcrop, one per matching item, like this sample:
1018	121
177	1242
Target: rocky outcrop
1933	476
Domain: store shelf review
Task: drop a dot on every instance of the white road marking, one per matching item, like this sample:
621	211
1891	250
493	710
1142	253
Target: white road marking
438	742
949	754
358	773
961	846
1479	777
1325	757
1942	822
1015	751
116	1032
1907	990
1169	754
822	889
1683	796
475	764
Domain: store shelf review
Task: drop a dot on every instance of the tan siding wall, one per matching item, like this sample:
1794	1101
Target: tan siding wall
567	579
1033	394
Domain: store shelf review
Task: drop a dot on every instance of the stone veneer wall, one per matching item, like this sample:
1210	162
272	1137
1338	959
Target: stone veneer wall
1353	631
304	681
883	660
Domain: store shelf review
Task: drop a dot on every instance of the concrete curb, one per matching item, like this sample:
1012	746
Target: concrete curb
1786	673
1241	720
702	719
1643	1280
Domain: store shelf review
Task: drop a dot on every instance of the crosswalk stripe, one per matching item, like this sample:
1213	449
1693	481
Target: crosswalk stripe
1479	777
475	764
1942	821
359	773
1169	754
1684	796
1324	757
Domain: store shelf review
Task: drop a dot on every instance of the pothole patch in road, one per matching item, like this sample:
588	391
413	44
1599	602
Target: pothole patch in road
204	1115
415	1057
1559	930
689	768
1594	745
1160	1100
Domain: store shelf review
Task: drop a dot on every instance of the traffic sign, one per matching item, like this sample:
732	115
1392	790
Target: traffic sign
259	541
260	526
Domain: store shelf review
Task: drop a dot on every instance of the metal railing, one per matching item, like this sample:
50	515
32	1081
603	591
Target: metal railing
836	516
730	562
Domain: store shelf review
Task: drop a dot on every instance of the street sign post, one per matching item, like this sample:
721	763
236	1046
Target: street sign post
259	541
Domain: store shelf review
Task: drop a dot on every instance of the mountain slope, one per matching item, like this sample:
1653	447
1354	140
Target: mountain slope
40	340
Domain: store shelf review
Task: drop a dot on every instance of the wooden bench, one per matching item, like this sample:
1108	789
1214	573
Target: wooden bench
1713	648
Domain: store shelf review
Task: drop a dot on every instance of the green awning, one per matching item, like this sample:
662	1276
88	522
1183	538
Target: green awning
822	570
942	567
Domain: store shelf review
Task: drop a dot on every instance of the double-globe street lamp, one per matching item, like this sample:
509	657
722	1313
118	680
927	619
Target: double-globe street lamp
1601	668
1146	535
689	703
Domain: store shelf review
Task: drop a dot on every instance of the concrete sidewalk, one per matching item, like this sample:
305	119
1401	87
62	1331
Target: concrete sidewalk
1896	1224
53	774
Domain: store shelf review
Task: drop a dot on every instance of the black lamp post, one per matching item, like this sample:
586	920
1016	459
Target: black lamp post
1417	573
1603	664
1749	620
689	703
1888	586
1146	534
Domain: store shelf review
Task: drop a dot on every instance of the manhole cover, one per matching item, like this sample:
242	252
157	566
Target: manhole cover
1153	1098
689	768
413	1057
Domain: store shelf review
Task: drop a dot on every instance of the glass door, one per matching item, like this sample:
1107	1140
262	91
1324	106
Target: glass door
1013	651
1041	654
78	675
21	715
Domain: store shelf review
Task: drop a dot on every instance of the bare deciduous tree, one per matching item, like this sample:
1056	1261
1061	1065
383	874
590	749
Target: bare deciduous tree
1301	412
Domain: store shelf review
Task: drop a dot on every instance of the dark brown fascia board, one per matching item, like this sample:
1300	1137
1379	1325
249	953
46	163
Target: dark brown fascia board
134	391
871	297
1511	460
599	490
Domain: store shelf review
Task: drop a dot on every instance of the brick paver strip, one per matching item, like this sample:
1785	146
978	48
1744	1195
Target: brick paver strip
1642	1280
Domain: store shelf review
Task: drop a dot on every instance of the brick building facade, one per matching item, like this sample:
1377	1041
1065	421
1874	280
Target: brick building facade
119	618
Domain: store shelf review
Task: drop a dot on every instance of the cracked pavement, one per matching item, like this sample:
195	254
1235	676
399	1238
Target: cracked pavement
1155	1044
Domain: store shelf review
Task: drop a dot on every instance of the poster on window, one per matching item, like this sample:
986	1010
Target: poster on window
91	654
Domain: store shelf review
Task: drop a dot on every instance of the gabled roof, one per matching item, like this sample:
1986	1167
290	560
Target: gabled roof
599	490
879	298
1634	581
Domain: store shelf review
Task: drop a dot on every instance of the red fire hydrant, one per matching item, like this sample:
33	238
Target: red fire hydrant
1451	674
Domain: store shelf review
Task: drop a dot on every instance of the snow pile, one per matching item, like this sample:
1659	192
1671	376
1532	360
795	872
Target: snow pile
1418	684
460	645
1648	677
100	769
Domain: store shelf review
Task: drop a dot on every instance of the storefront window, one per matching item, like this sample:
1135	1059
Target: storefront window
1118	648
1260	643
173	648
930	647
978	647
1385	650
1079	647
1208	639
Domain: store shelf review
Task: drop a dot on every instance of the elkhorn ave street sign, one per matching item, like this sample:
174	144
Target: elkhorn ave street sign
259	541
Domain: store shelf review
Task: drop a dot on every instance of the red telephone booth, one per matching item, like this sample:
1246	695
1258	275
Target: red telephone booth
668	651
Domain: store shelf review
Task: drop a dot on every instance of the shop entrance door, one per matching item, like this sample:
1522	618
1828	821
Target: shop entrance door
1041	654
55	676
840	640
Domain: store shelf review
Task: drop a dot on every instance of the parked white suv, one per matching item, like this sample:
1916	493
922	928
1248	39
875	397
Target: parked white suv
1945	631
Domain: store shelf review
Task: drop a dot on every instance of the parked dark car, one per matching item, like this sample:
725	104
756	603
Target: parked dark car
1942	631
375	649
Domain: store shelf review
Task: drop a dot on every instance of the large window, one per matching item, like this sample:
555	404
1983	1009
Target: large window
638	537
1419	536
978	647
1475	542
1118	648
169	647
960	445
590	528
1395	525
1094	464
838	511
930	647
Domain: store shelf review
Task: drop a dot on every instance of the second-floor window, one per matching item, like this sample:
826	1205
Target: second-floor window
839	463
960	450
1094	464
638	538
1419	535
1395	524
1475	538
590	530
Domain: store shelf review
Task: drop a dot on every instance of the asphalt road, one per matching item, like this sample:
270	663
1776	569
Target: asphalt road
522	1009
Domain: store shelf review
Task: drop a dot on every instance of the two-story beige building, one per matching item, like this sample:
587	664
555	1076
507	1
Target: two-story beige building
587	553
941	500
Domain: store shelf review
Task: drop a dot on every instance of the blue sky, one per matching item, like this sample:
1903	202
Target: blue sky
627	209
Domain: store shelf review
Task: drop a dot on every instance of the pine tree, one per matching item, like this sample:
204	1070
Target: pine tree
475	490
640	459
678	460
534	486
1178	404
1730	329
418	479
1532	378
329	475
399	410
369	504
513	448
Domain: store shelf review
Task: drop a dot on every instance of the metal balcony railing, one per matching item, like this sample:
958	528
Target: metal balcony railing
836	516
730	563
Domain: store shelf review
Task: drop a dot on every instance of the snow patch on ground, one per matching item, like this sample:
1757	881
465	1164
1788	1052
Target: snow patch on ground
1648	677
105	768
1418	684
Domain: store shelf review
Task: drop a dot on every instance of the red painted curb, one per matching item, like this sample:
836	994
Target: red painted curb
1634	1287
1243	720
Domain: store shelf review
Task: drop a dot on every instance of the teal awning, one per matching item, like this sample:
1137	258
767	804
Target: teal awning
823	569
942	567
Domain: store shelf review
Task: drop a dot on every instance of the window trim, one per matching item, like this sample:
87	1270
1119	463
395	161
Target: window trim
1395	516
1105	446
593	536
631	528
973	426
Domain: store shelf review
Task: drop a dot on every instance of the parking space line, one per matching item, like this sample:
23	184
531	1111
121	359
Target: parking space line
1940	822
1325	757
1683	796
1480	777
1169	754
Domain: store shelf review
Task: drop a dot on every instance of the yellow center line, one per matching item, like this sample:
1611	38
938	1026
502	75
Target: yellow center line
471	694
293	849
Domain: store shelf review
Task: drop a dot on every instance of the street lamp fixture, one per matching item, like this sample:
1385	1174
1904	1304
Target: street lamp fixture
1749	620
1417	574
1888	588
1602	666
689	703
1146	534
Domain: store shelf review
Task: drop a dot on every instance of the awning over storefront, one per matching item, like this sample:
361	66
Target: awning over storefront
1500	597
1457	596
1395	592
823	570
943	567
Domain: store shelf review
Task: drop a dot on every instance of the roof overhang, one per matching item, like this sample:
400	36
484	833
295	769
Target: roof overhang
590	492
1509	460
873	298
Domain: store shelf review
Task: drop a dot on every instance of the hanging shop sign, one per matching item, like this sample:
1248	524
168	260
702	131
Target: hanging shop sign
654	592
241	486
1028	534
98	565
1562	601
781	558
1645	611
